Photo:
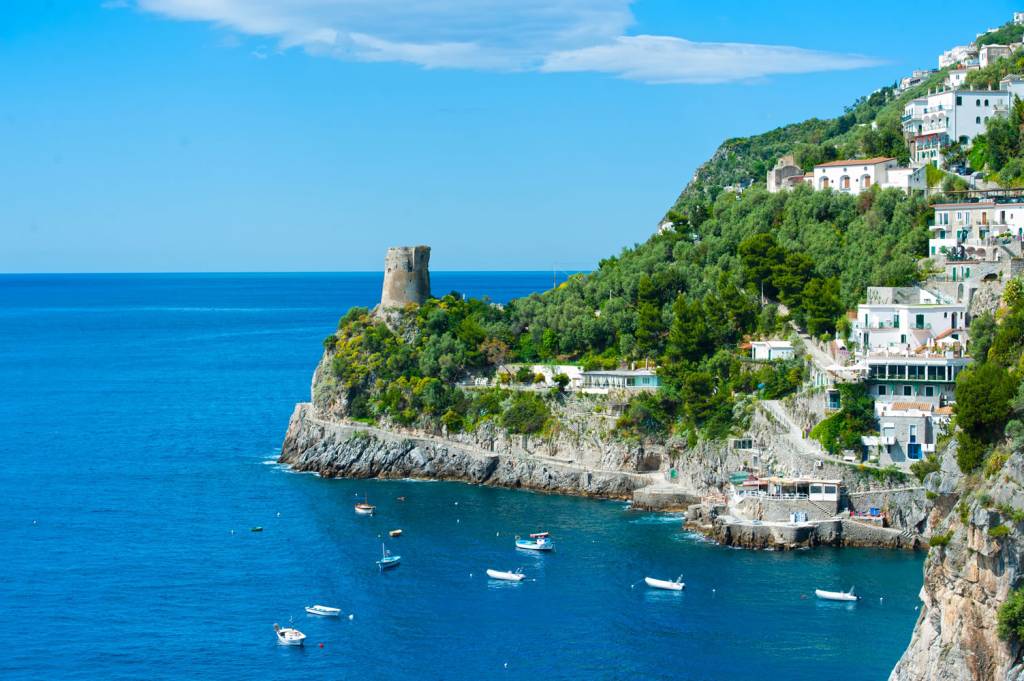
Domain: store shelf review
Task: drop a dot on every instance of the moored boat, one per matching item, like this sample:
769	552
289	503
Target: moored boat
387	559
289	636
364	507
395	533
323	610
676	585
516	576
538	541
836	595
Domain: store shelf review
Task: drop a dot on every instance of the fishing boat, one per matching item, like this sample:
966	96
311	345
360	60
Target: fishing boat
836	595
256	529
288	636
538	541
364	507
516	576
676	585
322	610
395	533
387	560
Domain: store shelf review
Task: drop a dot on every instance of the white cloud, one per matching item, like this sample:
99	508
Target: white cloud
664	59
512	35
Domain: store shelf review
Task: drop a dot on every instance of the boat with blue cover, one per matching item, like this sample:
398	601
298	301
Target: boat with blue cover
538	541
387	559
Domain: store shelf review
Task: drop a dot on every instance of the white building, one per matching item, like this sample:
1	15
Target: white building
1014	84
1018	18
988	54
956	78
619	379
974	242
908	319
958	55
933	122
853	176
771	350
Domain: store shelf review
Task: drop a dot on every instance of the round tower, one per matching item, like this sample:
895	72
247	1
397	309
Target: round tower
406	276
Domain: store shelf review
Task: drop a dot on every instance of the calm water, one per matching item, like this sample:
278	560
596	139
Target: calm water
138	421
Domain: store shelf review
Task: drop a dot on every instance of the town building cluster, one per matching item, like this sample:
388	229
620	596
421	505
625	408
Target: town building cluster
952	114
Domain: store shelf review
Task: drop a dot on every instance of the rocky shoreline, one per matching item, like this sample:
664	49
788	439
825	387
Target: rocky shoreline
335	449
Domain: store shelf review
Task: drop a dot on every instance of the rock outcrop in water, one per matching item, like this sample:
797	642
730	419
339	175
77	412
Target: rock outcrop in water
968	574
337	449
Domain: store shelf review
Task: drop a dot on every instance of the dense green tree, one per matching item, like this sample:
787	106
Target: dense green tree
649	324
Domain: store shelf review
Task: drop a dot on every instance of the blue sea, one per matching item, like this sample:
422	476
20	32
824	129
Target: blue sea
140	416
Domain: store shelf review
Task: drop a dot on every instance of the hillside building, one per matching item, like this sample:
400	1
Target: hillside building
988	54
937	120
771	350
853	176
976	242
908	319
785	175
907	430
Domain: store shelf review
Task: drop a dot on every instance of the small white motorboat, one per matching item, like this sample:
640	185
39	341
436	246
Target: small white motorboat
395	533
288	636
323	610
836	595
538	541
516	576
676	585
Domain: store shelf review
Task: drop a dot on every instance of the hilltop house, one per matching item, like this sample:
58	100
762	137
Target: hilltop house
915	78
987	54
853	176
961	54
934	122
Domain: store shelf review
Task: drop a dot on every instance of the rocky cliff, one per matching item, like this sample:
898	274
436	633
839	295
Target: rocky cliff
338	449
969	571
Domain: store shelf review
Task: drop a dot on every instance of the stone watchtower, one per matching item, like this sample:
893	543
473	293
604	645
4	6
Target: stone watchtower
406	276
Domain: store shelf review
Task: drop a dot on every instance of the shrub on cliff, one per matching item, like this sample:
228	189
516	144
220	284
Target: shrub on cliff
983	394
526	413
855	417
1011	616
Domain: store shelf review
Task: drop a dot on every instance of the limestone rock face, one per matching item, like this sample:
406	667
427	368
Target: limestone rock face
406	276
967	580
339	450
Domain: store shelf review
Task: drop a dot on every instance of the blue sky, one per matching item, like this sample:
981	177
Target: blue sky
293	135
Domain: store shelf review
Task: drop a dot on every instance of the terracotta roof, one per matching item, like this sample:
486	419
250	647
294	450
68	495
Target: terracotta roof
907	406
857	162
944	411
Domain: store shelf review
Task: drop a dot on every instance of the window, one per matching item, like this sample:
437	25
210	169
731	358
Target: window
959	100
977	102
913	433
977	119
986	102
881	390
907	391
919	321
929	391
903	338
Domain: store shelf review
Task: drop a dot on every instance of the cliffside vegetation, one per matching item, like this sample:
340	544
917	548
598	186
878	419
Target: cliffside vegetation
990	393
